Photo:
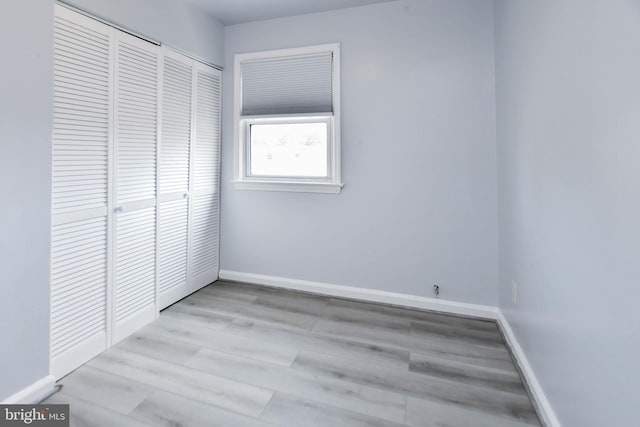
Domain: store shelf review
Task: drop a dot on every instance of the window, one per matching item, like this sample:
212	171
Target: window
287	115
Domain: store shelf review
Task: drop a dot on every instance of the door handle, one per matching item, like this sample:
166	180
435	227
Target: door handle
119	209
185	195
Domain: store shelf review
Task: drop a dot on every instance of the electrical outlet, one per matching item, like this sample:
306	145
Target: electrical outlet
514	292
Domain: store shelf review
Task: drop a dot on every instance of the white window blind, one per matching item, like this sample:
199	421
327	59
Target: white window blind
288	85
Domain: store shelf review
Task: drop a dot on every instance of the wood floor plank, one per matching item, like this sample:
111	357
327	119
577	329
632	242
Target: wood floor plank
348	315
147	343
423	413
395	312
109	391
455	334
366	400
207	304
185	313
286	410
467	373
238	288
162	409
179	335
347	349
489	400
473	354
91	414
229	291
392	335
299	305
275	294
412	343
235	396
463	354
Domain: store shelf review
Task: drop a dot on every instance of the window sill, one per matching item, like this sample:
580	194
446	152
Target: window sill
297	187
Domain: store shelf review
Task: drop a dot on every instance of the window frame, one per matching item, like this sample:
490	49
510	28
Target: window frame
243	179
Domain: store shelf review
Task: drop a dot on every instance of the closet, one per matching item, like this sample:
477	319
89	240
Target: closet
135	197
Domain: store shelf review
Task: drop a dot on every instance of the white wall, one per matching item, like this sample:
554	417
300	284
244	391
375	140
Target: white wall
26	88
170	21
418	150
26	29
568	98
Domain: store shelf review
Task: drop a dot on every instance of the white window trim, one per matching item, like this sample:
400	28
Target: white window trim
242	180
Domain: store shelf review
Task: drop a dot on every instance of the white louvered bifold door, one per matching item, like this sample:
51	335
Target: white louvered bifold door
205	197
80	202
135	133
173	177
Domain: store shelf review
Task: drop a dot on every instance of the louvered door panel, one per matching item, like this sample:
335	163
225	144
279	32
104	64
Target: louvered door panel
174	177
81	139
204	237
136	129
172	257
78	285
136	119
81	143
207	132
135	269
176	124
205	184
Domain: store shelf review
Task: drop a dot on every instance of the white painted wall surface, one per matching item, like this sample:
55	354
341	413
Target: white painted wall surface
26	79
418	152
172	22
568	114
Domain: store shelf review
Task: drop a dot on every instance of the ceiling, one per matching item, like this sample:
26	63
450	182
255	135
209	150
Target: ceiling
231	12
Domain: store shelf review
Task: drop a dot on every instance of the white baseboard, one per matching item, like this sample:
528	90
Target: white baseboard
542	405
33	393
363	294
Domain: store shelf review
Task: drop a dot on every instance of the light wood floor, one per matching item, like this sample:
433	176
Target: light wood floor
240	355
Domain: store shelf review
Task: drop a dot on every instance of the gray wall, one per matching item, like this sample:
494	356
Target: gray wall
418	149
568	114
170	21
26	28
26	38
